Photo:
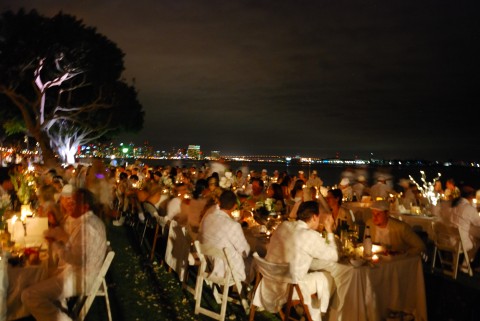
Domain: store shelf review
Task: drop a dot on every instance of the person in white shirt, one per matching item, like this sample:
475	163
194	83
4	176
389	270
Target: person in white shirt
81	253
380	190
465	216
299	243
219	229
174	205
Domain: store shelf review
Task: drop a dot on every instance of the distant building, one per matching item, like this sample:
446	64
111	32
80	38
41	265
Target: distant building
215	154
194	152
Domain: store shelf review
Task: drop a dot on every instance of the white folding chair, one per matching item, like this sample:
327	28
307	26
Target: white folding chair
447	239
98	288
224	282
278	275
152	214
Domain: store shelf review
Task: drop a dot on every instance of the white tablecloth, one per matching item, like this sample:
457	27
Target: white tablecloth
418	222
3	288
367	293
177	253
13	280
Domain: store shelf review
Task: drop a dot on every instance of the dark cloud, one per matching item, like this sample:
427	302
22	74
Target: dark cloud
397	78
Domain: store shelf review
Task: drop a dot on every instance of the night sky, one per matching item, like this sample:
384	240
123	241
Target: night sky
396	78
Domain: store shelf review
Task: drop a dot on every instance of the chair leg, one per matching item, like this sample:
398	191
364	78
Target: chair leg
198	293
107	300
252	312
223	309
144	231
154	245
289	302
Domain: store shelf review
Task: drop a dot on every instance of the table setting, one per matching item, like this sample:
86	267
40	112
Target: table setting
373	287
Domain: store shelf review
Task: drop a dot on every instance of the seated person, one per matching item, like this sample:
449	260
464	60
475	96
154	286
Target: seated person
218	228
465	216
340	213
81	253
394	234
174	204
299	243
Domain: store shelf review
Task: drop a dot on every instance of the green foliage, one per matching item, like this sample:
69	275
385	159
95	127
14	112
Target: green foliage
14	126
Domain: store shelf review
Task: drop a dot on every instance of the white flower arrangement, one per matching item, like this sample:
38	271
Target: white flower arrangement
270	204
427	188
25	186
226	182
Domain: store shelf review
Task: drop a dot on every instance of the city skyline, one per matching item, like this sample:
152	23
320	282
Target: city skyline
396	79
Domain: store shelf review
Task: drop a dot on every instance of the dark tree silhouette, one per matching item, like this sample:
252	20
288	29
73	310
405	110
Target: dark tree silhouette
63	79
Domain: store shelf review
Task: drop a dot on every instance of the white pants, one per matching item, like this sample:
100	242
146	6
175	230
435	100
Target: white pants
44	300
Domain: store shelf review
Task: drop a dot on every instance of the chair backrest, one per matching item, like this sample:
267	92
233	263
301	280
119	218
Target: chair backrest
279	272
446	237
150	209
208	255
98	287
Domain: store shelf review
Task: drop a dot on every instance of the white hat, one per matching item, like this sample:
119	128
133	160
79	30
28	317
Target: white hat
345	181
361	178
264	170
314	172
380	205
67	190
300	172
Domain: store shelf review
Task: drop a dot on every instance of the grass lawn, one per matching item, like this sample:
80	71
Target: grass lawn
140	290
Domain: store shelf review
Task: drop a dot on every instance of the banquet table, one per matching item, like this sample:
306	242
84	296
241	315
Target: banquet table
370	291
14	279
419	222
258	241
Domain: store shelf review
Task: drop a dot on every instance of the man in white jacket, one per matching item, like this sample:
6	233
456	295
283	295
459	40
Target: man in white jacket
299	243
81	255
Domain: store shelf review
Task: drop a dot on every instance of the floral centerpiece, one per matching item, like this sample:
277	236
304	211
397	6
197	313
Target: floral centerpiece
25	185
427	188
5	203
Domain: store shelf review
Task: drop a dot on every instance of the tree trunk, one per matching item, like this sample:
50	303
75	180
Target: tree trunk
48	154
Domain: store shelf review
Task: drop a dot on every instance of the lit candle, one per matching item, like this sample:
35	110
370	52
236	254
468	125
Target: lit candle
375	258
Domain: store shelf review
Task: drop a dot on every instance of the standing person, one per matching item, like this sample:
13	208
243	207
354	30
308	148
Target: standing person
81	253
380	190
360	188
299	243
314	180
346	188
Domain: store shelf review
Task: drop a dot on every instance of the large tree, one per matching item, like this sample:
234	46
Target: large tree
62	79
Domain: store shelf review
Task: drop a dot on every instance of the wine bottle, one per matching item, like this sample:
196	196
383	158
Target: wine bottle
367	243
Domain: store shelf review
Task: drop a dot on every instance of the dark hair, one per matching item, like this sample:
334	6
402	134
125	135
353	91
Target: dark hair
4	175
122	175
277	192
259	180
133	176
88	198
228	199
307	210
298	186
465	192
200	186
337	193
